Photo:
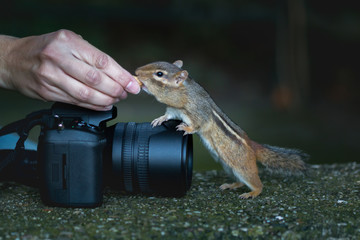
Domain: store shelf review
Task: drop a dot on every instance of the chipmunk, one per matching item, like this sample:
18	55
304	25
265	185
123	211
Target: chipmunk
187	101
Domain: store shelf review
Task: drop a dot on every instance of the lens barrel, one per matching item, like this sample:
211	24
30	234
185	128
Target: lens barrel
150	160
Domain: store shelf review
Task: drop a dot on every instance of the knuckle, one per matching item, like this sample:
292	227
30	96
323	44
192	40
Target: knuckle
44	92
123	95
43	71
117	90
64	35
93	77
101	60
84	94
48	52
52	47
109	101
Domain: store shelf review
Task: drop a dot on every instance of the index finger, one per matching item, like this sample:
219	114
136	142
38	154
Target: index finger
94	57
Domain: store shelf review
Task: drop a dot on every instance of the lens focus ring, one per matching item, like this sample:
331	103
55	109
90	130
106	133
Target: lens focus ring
143	159
127	156
135	158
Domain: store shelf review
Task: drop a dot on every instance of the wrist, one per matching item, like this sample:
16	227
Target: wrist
7	43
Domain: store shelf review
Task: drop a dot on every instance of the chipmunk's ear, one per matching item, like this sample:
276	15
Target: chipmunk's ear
181	77
178	63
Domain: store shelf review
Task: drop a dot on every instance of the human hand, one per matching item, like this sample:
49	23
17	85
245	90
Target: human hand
63	67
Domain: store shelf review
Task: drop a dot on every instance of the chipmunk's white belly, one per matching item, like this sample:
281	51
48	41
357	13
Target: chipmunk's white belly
216	156
174	113
209	146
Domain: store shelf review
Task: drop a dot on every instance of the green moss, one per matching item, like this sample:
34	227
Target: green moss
324	204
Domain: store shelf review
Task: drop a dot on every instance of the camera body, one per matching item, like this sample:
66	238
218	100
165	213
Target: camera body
71	167
78	155
70	156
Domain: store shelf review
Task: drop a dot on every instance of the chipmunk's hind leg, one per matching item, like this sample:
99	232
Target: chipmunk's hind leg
233	185
250	177
254	183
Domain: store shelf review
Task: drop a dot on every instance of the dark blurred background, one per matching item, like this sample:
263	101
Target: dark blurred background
286	71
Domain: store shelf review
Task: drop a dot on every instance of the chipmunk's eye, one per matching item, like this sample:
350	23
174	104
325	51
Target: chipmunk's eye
159	74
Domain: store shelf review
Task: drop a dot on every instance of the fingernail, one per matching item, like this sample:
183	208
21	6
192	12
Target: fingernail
132	87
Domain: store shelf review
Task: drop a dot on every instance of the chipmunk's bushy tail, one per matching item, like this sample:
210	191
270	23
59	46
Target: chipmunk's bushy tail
281	160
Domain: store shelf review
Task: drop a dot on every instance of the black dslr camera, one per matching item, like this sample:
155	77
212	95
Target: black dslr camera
78	154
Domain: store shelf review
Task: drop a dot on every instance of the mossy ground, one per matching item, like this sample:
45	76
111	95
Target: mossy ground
324	204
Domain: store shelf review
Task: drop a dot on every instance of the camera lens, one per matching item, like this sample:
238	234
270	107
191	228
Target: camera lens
150	160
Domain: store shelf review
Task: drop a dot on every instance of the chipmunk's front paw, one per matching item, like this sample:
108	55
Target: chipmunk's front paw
231	185
158	121
184	127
